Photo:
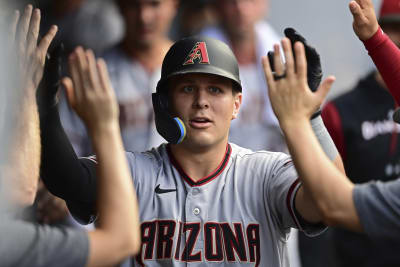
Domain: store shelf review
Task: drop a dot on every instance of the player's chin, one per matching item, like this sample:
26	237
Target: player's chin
200	139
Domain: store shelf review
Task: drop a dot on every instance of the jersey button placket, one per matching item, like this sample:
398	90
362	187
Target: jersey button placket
193	211
196	211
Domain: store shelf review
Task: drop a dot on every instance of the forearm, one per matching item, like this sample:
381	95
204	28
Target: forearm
305	203
62	172
386	56
23	167
330	190
117	203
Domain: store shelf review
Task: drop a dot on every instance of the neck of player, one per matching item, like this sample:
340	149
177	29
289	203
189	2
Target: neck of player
199	162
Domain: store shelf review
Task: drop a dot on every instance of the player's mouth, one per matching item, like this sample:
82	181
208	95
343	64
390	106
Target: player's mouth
200	122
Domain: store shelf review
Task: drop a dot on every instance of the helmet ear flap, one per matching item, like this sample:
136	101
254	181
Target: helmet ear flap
172	129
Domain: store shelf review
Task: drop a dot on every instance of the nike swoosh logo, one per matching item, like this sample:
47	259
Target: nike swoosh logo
163	191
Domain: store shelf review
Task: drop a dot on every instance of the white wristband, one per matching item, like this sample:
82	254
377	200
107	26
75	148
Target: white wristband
324	138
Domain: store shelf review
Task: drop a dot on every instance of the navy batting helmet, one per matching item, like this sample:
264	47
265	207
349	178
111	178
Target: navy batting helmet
196	54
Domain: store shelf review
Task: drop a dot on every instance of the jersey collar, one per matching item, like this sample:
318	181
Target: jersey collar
206	179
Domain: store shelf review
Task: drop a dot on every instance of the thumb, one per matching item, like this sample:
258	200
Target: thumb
356	11
69	91
324	88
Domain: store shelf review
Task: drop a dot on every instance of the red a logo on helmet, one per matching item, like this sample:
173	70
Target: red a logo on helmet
199	53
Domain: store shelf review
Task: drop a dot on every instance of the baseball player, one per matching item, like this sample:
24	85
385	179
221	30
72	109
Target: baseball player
202	200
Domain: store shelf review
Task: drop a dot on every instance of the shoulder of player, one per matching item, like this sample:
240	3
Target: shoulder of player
155	155
257	157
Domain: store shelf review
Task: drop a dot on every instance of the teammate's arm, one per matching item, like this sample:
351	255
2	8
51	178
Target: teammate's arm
22	169
117	235
324	186
90	94
382	50
304	204
64	175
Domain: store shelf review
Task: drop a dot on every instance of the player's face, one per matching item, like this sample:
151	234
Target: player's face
206	104
147	21
239	16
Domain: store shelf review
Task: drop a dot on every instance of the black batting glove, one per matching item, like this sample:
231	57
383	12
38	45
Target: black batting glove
46	94
314	69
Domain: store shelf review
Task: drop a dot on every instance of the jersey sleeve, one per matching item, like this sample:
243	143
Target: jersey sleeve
25	244
386	56
282	188
378	207
143	166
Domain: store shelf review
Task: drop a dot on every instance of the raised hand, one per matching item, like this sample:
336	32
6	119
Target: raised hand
291	97
24	35
365	24
89	90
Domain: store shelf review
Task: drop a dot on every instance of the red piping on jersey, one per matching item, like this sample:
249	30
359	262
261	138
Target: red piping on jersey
289	204
206	179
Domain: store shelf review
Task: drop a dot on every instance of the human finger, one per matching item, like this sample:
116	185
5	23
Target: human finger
83	70
301	62
365	3
13	26
357	13
76	77
289	62
69	90
324	88
268	73
22	29
45	43
93	74
104	76
278	64
33	31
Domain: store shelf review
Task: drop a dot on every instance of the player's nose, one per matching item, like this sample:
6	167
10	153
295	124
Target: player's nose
200	99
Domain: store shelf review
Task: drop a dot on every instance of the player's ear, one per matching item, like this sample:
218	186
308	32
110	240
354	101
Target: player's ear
237	103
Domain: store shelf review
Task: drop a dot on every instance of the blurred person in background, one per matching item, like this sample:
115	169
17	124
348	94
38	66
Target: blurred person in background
135	67
368	141
193	16
241	26
90	23
28	244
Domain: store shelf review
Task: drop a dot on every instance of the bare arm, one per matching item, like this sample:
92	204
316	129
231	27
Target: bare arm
23	168
90	94
324	186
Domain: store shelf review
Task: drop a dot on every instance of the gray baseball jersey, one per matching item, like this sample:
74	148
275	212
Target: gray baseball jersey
240	214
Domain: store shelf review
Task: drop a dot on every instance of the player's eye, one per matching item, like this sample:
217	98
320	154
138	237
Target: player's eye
214	90
187	89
